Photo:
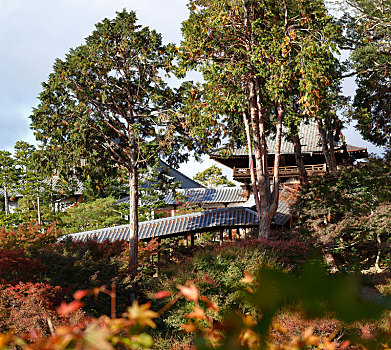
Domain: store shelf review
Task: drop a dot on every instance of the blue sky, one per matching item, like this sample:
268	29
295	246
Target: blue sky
34	33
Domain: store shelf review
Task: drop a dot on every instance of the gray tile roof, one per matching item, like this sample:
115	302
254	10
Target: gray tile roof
177	176
282	215
202	195
309	138
207	195
176	225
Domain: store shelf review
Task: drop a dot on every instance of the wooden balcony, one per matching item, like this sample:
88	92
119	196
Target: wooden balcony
285	171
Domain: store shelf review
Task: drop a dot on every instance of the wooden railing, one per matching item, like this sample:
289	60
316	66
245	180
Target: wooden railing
285	171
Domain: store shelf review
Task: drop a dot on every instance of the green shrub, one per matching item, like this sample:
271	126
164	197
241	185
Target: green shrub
217	271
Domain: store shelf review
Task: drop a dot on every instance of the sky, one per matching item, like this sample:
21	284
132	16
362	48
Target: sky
34	33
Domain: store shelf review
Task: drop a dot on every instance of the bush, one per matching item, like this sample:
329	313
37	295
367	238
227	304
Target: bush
30	307
15	266
217	271
83	265
347	214
26	236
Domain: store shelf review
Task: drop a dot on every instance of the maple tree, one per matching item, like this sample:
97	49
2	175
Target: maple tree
347	213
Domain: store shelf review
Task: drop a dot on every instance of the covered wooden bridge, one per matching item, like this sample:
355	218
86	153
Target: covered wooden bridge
216	220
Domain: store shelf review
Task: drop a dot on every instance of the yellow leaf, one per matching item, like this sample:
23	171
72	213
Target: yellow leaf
142	314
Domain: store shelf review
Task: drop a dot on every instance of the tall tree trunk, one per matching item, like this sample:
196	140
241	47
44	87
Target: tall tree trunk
258	130
379	246
263	177
332	151
276	169
251	163
298	155
133	219
6	203
39	211
325	147
260	167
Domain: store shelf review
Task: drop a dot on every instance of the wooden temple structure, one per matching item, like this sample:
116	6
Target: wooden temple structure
312	153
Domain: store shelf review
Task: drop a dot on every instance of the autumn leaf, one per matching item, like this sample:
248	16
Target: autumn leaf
162	294
95	337
209	304
142	314
65	309
190	291
80	294
189	327
198	313
5	339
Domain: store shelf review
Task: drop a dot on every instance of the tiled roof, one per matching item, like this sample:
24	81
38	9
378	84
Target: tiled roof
351	148
309	138
282	215
177	176
202	195
176	225
207	195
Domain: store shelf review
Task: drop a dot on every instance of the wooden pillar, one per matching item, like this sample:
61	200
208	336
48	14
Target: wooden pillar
230	234
221	236
192	240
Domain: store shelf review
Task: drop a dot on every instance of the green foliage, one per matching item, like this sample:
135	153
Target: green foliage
96	214
213	177
107	101
369	36
9	221
8	176
218	271
341	211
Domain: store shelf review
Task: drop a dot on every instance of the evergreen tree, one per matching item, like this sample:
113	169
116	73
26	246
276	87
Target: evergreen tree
8	177
107	103
252	55
369	38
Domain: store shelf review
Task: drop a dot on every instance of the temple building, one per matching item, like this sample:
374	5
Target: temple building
312	153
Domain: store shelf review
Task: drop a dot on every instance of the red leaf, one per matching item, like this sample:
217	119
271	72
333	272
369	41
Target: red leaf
162	294
80	294
65	309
